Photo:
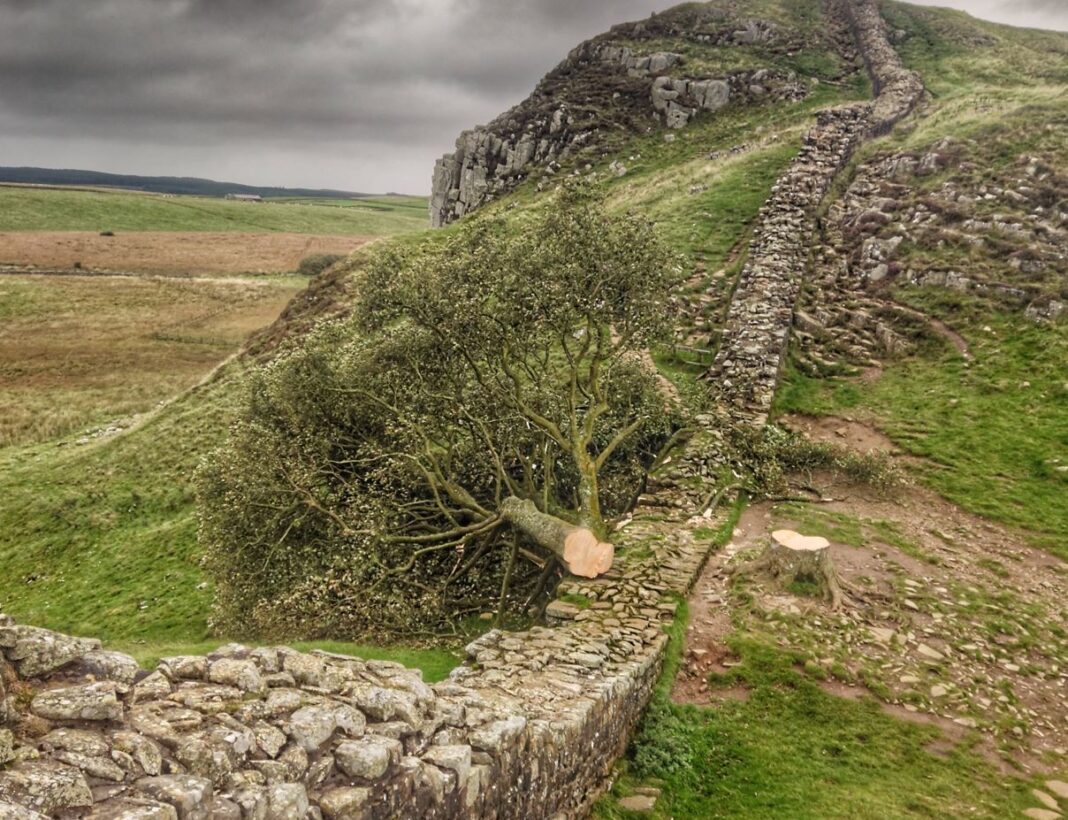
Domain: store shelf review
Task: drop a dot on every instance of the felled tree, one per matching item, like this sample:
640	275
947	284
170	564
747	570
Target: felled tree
463	429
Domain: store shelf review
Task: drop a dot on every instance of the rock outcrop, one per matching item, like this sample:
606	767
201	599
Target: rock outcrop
604	89
890	227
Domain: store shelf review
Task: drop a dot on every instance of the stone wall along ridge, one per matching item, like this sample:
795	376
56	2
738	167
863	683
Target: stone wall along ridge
756	335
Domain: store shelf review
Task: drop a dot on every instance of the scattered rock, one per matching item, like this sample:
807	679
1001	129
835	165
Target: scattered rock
1046	800
1059	788
638	803
190	796
45	787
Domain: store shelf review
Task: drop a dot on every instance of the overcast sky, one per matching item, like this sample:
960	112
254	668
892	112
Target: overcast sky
353	94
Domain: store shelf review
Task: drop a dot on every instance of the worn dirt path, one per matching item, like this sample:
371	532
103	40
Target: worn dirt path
958	619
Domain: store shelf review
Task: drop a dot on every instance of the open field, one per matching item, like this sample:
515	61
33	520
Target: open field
169	252
77	351
38	209
100	433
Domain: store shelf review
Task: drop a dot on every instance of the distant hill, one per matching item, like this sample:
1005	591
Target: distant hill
161	185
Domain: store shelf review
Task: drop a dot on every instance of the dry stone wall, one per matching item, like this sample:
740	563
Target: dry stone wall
528	728
748	363
755	337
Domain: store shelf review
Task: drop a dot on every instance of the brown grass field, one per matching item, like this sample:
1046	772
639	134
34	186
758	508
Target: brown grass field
81	351
168	252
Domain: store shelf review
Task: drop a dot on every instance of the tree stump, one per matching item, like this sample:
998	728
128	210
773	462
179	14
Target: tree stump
794	557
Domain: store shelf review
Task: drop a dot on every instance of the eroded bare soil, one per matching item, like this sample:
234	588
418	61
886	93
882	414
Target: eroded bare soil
953	620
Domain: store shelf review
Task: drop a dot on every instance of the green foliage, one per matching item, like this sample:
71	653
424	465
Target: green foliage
362	486
767	457
315	264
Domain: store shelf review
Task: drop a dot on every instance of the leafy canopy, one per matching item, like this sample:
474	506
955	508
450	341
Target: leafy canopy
362	487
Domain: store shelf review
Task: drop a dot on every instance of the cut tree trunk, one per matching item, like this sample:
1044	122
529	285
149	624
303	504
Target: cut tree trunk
794	557
582	552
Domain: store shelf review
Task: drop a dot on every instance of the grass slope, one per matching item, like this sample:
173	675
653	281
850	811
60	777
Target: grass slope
101	539
30	209
77	351
995	431
791	750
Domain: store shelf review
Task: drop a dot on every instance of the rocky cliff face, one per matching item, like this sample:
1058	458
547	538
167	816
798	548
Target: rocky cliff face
619	84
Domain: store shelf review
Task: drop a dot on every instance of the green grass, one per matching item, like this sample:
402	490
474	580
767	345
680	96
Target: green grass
392	203
957	54
581	601
847	529
994	432
705	206
29	209
792	750
436	664
101	540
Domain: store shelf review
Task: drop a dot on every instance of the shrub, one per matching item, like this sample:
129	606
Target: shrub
376	476
316	263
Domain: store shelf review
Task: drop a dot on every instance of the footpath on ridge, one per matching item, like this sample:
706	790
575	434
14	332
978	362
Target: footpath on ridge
529	727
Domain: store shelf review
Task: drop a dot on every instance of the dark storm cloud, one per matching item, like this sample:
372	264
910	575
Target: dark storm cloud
347	93
398	77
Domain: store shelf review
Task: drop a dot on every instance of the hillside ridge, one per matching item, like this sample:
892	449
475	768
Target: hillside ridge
530	727
622	83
